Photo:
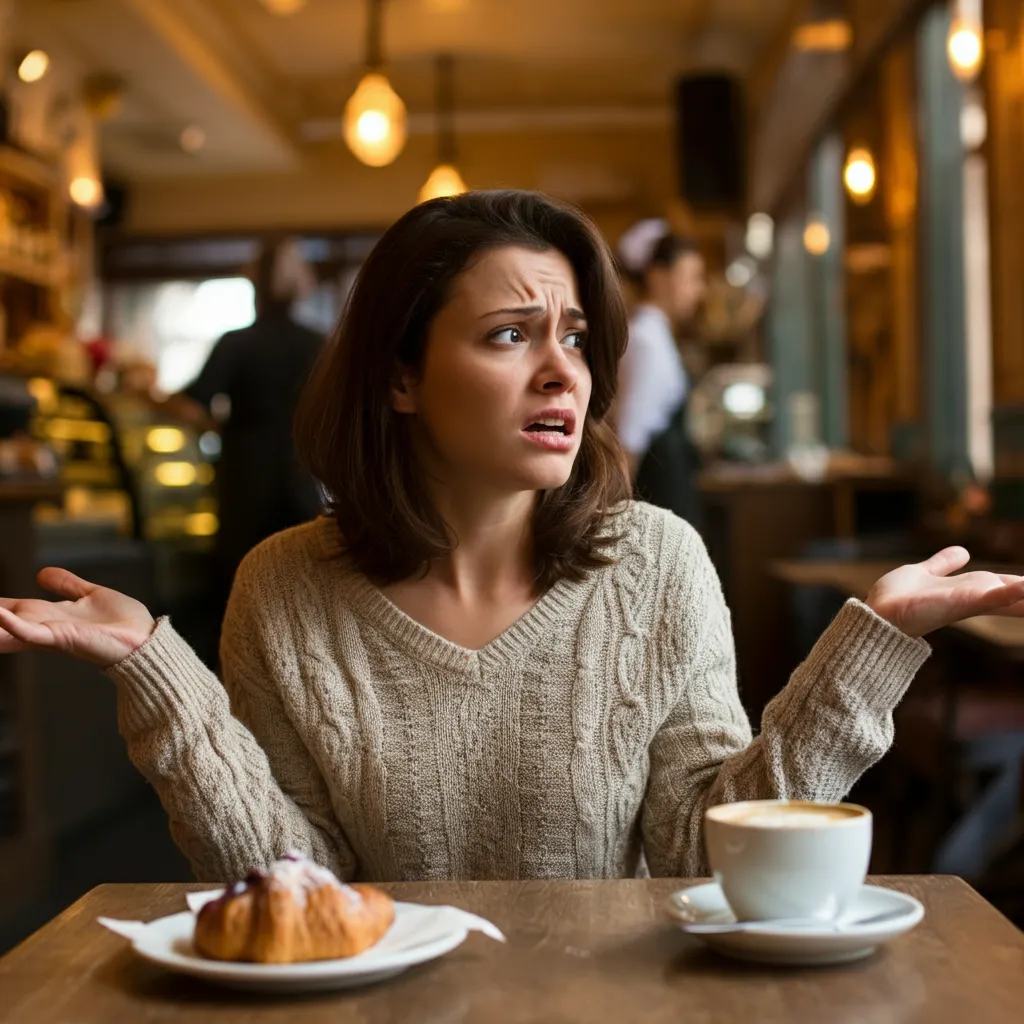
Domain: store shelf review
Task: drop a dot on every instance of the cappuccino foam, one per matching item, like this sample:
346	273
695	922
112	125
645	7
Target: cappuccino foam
787	815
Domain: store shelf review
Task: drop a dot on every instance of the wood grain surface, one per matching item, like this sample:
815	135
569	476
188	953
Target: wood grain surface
577	951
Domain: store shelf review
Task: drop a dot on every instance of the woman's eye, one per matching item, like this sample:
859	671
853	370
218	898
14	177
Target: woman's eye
508	336
576	340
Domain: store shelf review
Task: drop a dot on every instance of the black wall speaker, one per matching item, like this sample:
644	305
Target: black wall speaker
711	139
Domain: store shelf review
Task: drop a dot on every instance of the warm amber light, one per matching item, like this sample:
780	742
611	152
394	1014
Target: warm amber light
859	175
831	36
44	391
283	7
444	180
965	48
817	237
165	440
87	192
201	524
175	474
375	121
33	66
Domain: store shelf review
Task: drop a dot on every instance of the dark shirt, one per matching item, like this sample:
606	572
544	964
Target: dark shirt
262	369
261	487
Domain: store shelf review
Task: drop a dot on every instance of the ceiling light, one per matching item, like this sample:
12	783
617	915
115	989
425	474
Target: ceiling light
760	238
817	237
374	124
283	7
33	66
831	36
740	272
444	179
965	48
859	175
192	138
86	192
973	124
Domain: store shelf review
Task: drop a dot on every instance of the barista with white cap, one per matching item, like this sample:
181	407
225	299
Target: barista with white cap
653	384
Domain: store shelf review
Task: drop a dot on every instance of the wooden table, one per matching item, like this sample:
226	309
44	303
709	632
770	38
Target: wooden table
577	951
1003	636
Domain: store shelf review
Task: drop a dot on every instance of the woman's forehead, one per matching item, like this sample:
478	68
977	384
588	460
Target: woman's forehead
513	275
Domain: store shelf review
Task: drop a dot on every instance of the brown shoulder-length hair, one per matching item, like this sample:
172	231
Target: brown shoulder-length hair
360	449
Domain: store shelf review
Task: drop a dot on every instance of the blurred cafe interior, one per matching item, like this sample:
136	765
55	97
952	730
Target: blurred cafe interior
848	170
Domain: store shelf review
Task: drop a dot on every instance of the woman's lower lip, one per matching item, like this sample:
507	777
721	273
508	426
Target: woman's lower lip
549	439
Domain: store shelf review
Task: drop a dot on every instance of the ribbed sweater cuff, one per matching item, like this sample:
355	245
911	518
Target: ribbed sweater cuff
866	652
163	681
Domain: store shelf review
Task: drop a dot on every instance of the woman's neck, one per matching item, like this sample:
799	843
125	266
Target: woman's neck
493	550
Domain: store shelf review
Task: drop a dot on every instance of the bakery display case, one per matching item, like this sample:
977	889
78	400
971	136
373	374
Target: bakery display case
125	472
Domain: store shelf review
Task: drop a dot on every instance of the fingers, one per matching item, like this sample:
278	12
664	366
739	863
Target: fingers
946	561
1002	598
32	633
65	584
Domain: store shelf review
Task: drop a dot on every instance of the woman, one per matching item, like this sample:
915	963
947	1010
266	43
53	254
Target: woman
651	408
486	663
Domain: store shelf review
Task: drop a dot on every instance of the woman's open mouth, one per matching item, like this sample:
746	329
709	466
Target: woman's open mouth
552	429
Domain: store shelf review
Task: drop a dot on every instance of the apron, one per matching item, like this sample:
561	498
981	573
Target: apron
667	476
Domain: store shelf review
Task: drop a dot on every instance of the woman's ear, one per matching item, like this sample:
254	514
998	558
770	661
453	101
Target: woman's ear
403	392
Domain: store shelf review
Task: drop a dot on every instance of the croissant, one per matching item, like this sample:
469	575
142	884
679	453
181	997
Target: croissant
293	911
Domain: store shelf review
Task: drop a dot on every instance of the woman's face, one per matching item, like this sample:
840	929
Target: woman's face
504	386
679	289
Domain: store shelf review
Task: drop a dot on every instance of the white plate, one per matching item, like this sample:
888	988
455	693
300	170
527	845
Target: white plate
705	904
418	934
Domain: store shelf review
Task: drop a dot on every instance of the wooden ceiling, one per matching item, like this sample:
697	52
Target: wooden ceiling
267	90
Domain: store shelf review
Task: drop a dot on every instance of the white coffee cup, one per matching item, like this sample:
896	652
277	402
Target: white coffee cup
788	858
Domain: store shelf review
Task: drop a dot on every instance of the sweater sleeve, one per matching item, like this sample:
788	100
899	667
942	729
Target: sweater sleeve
238	785
831	722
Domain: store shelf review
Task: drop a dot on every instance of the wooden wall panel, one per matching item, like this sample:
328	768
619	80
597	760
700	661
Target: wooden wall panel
1004	79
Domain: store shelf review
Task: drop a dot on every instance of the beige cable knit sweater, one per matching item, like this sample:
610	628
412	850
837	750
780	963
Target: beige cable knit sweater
601	723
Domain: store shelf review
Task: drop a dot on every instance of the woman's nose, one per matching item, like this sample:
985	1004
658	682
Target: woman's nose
556	373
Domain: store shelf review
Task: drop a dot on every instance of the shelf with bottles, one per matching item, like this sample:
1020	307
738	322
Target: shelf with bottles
32	213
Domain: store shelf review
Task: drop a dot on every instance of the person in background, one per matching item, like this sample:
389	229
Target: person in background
653	385
260	370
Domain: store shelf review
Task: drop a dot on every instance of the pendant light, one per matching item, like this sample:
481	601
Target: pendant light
374	125
444	179
965	45
860	175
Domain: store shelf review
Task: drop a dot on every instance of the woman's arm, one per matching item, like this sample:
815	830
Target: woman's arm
239	790
235	778
831	722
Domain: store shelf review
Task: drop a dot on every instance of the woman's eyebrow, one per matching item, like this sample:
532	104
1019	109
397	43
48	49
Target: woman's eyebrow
571	313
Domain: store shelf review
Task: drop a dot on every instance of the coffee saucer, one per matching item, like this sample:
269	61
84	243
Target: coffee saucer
810	945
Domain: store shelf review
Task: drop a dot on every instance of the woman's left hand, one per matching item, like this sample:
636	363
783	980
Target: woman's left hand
922	597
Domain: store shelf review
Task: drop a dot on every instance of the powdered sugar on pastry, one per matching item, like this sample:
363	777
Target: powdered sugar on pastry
298	876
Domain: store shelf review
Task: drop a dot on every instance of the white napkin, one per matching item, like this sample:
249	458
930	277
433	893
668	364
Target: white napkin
440	921
131	930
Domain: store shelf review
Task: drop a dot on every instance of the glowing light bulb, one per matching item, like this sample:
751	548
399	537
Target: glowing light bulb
85	191
374	123
284	7
965	48
33	66
817	237
859	175
444	180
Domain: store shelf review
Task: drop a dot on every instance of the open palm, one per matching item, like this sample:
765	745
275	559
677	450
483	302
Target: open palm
93	623
923	597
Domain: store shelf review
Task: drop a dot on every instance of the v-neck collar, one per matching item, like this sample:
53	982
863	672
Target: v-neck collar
424	644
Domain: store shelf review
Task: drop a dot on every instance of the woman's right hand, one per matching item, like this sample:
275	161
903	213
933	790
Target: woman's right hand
93	623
